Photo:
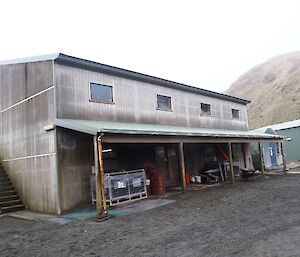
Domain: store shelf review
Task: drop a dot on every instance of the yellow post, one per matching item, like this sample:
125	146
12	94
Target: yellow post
101	180
97	176
261	157
231	163
182	167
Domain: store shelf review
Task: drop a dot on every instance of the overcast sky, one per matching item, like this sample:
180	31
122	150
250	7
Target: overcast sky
208	44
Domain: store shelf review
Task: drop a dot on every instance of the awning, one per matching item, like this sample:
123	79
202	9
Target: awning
174	133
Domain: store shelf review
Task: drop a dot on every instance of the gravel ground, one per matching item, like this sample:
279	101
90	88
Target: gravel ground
255	218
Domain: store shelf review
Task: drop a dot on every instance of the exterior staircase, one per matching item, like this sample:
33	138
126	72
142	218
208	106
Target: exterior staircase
9	198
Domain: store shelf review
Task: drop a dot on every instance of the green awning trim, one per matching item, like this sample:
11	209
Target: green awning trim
94	127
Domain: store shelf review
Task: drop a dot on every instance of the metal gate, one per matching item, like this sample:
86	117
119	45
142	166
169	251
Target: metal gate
122	186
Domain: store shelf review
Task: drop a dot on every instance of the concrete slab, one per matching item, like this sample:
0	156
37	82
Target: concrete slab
91	212
34	216
136	207
58	220
29	215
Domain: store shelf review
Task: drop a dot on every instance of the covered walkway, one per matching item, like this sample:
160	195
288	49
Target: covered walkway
184	144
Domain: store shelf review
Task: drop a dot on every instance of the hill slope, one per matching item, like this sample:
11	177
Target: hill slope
273	88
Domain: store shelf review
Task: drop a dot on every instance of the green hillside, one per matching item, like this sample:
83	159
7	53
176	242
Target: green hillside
273	88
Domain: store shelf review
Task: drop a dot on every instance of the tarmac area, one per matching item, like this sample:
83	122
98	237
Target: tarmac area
260	217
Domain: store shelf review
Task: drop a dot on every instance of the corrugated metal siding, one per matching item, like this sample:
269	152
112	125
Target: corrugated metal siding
136	102
76	159
22	135
20	81
291	148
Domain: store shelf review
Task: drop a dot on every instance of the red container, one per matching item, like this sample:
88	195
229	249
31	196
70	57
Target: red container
157	183
187	178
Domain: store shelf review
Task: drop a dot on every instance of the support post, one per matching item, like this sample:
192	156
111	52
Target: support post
244	155
97	176
182	167
231	163
101	179
261	157
283	157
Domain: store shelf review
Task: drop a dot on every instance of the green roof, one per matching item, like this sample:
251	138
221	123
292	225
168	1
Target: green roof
281	126
93	127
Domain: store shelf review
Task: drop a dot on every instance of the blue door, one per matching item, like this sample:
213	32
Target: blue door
272	148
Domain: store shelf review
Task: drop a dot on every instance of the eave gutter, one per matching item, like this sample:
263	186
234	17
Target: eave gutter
161	133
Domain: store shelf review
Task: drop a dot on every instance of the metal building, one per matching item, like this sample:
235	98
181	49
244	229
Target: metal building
58	113
290	131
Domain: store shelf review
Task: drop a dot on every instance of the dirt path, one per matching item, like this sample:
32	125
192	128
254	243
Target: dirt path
257	218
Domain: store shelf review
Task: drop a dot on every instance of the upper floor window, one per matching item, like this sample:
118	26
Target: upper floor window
235	113
101	93
205	109
164	102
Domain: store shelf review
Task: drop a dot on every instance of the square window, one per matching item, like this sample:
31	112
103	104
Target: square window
164	102
205	109
235	113
101	93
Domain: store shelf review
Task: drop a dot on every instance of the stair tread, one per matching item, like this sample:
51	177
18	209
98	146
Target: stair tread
5	183
12	206
5	187
8	191
10	201
8	196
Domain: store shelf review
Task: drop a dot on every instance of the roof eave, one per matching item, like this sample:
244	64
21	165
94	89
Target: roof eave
40	58
94	66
